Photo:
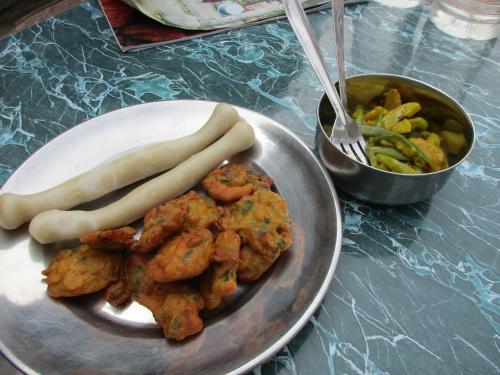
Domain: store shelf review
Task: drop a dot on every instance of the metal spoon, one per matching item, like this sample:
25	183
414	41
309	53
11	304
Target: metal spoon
345	134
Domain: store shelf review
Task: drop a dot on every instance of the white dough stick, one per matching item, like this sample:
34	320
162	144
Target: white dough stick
136	165
56	225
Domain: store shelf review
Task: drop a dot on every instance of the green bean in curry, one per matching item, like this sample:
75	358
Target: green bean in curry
398	140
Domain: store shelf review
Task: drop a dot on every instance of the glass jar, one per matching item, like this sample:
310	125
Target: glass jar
473	19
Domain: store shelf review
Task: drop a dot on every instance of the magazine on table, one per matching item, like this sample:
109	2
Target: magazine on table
138	24
212	14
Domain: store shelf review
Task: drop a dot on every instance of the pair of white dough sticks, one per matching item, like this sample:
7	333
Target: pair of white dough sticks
50	224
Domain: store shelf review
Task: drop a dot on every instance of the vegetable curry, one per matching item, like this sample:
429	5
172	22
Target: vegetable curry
399	140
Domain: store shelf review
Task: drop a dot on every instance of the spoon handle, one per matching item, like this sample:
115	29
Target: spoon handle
302	28
338	27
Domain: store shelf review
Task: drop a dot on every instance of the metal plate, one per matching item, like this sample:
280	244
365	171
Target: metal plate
44	335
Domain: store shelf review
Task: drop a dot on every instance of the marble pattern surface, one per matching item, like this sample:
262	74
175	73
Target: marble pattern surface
417	287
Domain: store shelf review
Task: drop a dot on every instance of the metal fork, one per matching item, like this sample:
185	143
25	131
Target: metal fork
345	133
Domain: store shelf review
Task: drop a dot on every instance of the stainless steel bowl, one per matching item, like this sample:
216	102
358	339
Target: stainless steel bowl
374	185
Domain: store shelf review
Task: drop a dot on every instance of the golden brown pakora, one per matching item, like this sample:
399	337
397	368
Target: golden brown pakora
138	282
83	270
188	270
262	221
227	246
212	300
182	257
202	211
175	306
234	181
217	282
179	314
117	293
159	223
252	264
132	279
189	211
220	279
113	239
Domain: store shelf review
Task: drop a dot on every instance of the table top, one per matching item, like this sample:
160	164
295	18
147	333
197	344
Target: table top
417	287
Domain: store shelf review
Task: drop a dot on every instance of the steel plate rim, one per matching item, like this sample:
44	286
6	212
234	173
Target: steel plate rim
320	293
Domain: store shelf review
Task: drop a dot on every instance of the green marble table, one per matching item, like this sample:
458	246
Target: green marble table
416	290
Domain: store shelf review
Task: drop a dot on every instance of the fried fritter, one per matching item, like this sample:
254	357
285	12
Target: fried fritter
142	287
202	211
160	297
117	293
83	270
212	300
252	264
114	239
227	246
133	282
189	211
217	282
179	314
133	278
182	257
188	257
159	223
233	182
262	221
175	306
220	279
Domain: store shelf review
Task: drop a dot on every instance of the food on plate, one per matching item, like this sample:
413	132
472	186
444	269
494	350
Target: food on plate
227	247
159	223
220	279
55	225
401	141
182	257
117	293
175	306
138	281
191	210
135	281
83	270
113	239
135	165
233	181
252	264
202	211
262	221
189	256
179	313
